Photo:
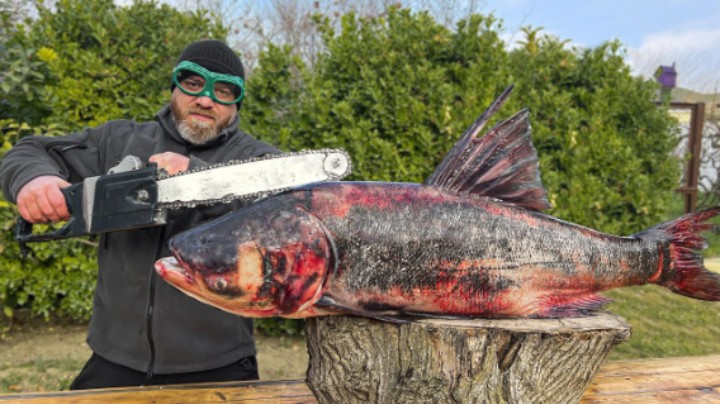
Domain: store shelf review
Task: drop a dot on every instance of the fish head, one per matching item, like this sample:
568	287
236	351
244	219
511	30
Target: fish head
261	261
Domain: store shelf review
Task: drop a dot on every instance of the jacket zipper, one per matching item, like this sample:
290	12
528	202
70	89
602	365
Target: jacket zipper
151	306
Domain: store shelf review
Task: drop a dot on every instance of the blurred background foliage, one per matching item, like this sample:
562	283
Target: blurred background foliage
396	89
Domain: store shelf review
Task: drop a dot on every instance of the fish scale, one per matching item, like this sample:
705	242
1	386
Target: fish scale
499	257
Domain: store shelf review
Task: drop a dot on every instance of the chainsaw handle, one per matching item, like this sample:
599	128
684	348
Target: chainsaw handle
75	226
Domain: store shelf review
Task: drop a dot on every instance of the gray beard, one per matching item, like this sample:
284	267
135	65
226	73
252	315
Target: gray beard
196	132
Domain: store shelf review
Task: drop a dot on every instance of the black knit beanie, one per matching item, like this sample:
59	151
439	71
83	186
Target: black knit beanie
213	55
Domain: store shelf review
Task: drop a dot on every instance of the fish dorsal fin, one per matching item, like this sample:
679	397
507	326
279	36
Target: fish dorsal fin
503	164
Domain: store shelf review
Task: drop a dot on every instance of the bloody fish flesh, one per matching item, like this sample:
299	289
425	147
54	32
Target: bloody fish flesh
470	241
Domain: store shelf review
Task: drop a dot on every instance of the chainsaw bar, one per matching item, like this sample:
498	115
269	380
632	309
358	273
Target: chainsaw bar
250	179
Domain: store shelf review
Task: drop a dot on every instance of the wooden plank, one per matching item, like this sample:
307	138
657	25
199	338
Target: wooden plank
289	391
673	396
663	380
685	379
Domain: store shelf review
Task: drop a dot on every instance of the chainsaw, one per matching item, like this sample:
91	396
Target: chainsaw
135	194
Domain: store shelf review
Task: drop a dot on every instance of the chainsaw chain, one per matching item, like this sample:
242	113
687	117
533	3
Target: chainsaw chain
162	174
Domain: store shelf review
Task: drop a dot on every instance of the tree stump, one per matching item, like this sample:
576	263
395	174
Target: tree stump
359	360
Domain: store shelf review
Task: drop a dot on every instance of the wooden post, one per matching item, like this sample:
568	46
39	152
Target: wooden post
692	169
358	360
697	124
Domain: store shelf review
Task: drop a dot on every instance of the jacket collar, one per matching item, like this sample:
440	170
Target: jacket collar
165	118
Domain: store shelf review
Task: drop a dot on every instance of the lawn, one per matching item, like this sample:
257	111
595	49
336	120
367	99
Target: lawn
665	324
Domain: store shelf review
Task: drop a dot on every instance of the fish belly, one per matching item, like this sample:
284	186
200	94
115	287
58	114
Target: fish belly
418	249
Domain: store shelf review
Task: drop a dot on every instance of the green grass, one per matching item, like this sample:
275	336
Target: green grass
665	324
38	375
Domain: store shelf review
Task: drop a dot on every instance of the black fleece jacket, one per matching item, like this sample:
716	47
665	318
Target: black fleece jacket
138	320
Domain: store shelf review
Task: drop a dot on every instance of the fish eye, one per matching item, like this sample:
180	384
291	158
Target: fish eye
220	284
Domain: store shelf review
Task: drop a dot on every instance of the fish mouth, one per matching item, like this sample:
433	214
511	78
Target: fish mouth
170	269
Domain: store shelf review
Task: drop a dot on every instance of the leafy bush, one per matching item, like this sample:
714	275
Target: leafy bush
57	277
604	146
396	91
92	61
78	64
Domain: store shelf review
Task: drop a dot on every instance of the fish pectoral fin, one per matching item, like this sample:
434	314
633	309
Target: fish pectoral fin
327	302
573	307
390	316
502	164
439	316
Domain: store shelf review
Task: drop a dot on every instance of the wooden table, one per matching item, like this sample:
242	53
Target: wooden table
679	380
694	379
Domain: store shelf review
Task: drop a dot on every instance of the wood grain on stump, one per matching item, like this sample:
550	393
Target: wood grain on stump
354	359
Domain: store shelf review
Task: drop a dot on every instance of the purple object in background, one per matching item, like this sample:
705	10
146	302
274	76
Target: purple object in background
666	76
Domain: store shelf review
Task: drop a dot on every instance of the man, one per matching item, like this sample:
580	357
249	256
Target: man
143	331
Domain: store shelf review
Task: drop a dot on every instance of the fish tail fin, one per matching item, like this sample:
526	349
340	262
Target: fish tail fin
683	271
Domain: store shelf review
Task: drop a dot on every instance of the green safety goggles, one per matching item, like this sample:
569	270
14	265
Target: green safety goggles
195	80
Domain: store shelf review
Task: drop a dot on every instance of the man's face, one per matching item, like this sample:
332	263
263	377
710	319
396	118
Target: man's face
199	119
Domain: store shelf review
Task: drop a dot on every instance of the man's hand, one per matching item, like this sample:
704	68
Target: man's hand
171	162
40	200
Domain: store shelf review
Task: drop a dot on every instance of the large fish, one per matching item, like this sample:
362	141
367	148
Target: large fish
470	241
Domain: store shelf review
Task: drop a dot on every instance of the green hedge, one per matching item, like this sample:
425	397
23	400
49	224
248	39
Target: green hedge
395	91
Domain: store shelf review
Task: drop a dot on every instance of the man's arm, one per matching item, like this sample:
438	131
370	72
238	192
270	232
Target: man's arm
37	167
41	201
